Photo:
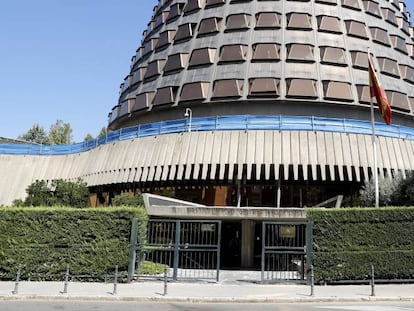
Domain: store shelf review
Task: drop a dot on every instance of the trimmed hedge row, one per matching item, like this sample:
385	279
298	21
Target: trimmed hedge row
45	240
348	241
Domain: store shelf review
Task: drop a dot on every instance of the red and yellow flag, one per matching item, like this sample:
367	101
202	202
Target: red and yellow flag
378	92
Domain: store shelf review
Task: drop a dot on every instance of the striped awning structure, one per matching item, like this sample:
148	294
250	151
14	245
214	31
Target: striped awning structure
229	155
216	155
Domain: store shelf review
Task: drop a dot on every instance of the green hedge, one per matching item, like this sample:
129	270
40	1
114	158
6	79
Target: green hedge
348	241
45	240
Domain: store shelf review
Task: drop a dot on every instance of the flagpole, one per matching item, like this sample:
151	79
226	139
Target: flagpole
374	151
374	147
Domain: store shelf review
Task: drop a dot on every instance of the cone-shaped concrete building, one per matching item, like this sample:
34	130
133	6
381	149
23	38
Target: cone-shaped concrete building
276	95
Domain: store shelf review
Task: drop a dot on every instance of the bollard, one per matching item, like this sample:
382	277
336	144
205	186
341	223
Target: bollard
372	281
65	286
312	281
16	284
165	282
115	281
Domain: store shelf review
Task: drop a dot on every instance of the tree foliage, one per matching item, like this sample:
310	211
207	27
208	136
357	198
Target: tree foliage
396	191
88	137
58	193
127	199
36	134
60	133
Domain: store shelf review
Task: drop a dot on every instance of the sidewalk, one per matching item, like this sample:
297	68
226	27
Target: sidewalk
204	292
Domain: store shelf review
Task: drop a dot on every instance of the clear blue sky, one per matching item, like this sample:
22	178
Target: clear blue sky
65	59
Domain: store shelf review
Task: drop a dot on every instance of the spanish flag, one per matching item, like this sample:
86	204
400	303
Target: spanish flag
378	92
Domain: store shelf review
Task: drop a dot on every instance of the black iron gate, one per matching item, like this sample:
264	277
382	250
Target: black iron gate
286	251
185	249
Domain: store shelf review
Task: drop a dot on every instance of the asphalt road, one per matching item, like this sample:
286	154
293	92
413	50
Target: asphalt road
35	305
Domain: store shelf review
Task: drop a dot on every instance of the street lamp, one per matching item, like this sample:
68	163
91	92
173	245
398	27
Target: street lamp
189	114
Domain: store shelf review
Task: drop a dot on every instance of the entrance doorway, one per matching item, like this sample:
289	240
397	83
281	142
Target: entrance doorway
231	243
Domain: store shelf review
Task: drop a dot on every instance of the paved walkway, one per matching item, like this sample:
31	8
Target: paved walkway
233	287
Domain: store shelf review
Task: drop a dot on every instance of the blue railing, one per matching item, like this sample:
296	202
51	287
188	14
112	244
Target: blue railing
224	123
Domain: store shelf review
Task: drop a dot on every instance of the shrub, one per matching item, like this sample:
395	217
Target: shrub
347	242
45	240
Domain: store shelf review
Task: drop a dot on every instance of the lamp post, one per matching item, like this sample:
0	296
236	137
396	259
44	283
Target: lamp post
189	114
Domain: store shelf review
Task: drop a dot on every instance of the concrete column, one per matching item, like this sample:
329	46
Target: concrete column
247	243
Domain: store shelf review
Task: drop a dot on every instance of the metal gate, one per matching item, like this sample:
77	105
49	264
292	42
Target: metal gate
185	249
286	251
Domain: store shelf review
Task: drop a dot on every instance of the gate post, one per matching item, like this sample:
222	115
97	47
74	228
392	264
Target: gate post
176	249
133	249
309	250
263	250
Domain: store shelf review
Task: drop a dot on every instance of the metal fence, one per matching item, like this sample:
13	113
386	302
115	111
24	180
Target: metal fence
219	123
185	249
286	251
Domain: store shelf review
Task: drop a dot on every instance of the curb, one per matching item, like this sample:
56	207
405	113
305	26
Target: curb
208	299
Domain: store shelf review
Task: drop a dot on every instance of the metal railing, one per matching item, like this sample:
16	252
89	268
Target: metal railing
219	123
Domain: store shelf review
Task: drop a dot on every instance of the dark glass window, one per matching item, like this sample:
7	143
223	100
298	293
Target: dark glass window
160	19
175	11
228	88
407	73
143	101
194	91
125	107
356	29
398	101
154	68
184	32
297	52
388	66
351	4
204	56
192	6
333	56
264	87
266	52
268	20
149	46
359	59
389	16
165	39
165	95
233	53
299	21
399	44
371	7
209	26
364	95
380	36
329	24
238	22
176	62
301	88
336	90
139	75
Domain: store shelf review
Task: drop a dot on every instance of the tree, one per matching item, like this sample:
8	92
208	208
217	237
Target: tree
88	137
58	193
36	134
60	133
103	132
128	199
